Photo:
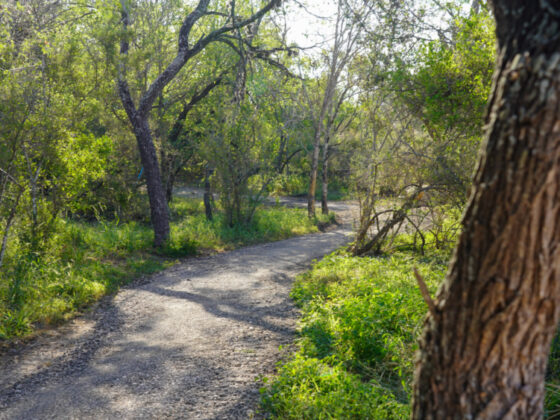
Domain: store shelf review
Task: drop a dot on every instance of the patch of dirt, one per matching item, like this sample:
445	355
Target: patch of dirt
189	342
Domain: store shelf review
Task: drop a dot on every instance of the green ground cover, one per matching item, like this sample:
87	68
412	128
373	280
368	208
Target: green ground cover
360	320
84	261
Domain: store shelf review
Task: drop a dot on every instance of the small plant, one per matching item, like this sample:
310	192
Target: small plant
361	317
308	388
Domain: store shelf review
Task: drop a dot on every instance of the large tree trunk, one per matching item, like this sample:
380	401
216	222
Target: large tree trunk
138	115
485	346
156	193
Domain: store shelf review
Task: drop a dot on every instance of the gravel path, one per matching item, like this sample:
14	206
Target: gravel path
189	342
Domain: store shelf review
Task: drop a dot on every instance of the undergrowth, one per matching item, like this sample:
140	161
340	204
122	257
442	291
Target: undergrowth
84	261
361	318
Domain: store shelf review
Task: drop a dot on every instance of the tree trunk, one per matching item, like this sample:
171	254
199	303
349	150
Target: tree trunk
9	222
166	164
325	178
373	246
343	50
156	193
313	174
475	7
484	350
169	185
138	115
208	194
169	172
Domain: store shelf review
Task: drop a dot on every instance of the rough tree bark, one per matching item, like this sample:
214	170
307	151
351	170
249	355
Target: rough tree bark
485	346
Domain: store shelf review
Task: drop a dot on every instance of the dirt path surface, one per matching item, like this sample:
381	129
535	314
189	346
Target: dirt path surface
189	342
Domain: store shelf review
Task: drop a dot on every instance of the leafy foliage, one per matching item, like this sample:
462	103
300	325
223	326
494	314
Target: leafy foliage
447	90
361	317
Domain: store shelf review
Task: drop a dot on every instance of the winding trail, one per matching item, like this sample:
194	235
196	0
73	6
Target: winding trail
189	342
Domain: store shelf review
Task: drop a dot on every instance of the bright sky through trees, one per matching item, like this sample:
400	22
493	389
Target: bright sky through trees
309	22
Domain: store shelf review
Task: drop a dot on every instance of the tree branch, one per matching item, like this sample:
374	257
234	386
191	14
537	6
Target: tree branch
122	84
425	293
197	97
185	52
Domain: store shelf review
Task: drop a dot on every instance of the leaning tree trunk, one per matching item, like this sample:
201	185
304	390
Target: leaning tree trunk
139	115
159	210
484	350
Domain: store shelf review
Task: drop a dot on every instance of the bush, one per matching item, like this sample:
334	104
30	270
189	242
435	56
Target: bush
361	317
290	185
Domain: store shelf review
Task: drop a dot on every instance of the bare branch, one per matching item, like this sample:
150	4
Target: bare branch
11	178
425	293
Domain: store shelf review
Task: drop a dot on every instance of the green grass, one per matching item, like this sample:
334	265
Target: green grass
361	318
360	321
552	397
84	261
271	223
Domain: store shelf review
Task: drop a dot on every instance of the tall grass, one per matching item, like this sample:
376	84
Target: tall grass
84	261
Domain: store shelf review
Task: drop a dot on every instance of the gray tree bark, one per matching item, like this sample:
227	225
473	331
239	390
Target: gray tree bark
346	36
484	350
333	75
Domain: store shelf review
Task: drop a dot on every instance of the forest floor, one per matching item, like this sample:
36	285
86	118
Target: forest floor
189	342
